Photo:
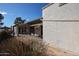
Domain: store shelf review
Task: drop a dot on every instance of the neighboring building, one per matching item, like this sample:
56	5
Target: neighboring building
61	26
36	27
1	29
4	28
32	28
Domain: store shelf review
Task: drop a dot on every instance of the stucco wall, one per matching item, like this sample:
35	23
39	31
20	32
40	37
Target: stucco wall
65	12
61	26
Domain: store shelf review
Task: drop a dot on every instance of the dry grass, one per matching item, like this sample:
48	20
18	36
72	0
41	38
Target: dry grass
26	45
15	47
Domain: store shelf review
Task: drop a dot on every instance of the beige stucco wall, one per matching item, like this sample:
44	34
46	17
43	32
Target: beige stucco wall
64	33
66	12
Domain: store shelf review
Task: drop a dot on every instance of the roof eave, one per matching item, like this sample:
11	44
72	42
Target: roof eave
47	5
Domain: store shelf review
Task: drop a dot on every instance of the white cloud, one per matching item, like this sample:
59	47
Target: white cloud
3	12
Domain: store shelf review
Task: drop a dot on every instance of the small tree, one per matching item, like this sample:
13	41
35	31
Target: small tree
17	22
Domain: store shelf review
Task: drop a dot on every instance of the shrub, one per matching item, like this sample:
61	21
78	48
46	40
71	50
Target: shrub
31	47
35	48
4	35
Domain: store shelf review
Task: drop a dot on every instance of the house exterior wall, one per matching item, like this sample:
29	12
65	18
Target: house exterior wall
1	30
23	29
29	29
15	31
61	26
38	30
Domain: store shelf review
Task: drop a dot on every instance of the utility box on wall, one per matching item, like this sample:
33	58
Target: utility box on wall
61	26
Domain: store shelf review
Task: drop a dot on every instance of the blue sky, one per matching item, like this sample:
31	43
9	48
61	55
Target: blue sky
28	11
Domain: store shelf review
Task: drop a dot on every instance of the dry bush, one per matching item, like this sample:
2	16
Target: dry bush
36	47
32	47
4	35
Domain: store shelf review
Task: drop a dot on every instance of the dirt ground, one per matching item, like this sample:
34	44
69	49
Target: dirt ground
59	52
51	51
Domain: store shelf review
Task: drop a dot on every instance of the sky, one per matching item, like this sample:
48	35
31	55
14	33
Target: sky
28	11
